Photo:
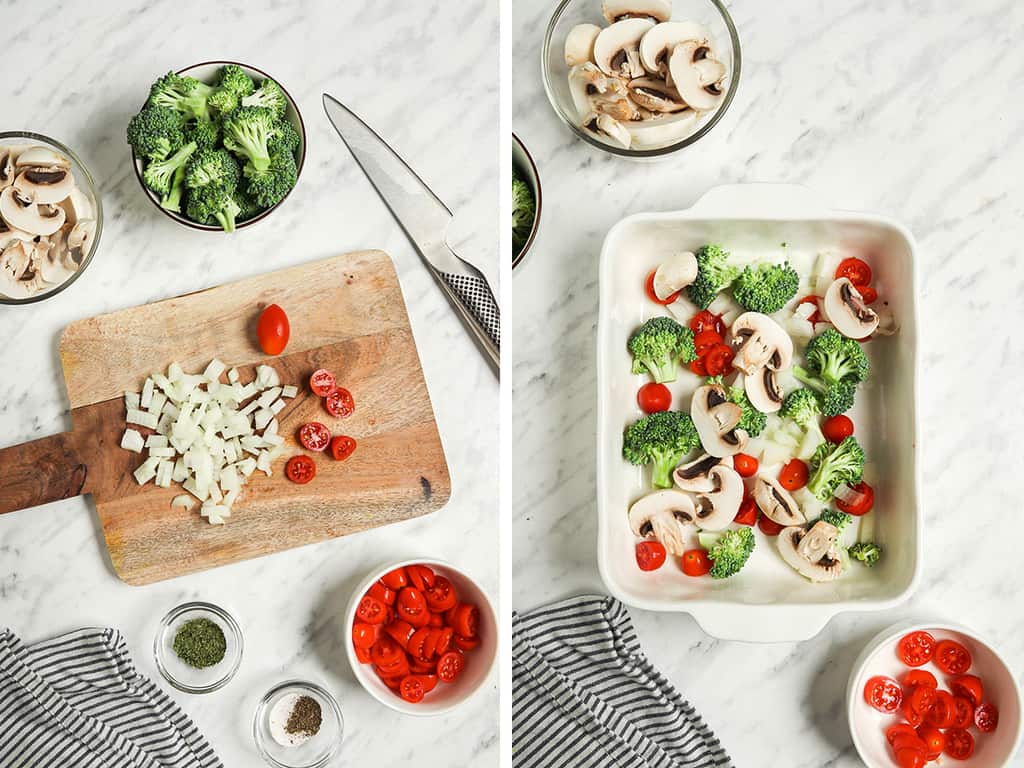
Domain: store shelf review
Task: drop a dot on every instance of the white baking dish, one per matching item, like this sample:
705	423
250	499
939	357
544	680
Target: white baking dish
767	601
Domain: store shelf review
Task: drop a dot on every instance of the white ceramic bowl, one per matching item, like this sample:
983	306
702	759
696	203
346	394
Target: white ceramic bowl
867	726
479	661
767	601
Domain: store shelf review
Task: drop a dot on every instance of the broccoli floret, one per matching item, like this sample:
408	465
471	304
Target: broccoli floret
836	518
212	167
283	138
524	211
765	287
159	174
714	274
172	200
246	132
867	552
730	553
752	421
213	204
185	95
832	465
155	133
835	365
269	187
661	439
206	135
803	407
234	79
224	101
269	95
658	345
246	205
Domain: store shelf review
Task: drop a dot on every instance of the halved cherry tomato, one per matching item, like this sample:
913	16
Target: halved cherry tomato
768	526
933	739
386	653
718	360
837	428
911	742
653	398
450	666
910	758
705	340
747	514
911	715
649	289
959	743
363	635
867	293
382	592
339	402
422	667
390	682
272	330
436	620
698	367
855	270
418	645
968	686
916	649
952	658
650	555
986	717
466	643
314	436
342	447
411	689
921	699
964	712
883	693
902	729
371	610
300	469
412	606
863	505
322	382
420	576
467	619
922	677
395	579
793	476
942	713
706	319
400	631
444	641
695	562
745	466
428	681
441	596
816	315
363	655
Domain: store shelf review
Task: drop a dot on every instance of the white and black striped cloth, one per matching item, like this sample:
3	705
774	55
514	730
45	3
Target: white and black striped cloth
77	702
585	696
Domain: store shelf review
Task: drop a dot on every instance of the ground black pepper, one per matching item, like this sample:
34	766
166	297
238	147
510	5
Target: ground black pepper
200	643
305	717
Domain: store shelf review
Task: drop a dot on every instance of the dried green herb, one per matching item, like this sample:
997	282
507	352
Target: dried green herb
200	643
305	717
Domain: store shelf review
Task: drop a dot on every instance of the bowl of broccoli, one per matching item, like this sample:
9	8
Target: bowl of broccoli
526	201
217	146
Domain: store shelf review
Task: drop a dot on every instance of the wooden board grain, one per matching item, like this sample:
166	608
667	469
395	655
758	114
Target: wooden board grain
347	314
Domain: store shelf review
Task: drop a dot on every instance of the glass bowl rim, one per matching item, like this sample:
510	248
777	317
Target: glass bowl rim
309	686
518	258
165	625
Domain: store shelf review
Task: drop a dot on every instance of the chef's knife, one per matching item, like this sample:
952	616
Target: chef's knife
425	220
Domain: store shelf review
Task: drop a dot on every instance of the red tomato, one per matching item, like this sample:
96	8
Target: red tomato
420	576
412	606
436	620
861	507
442	640
698	367
386	653
718	360
650	555
916	649
363	634
855	270
911	715
837	428
418	645
921	699
908	741
422	667
986	717
411	689
466	620
649	289
959	744
968	686
964	712
943	710
816	317
705	340
272	330
899	730
314	436
400	631
922	677
695	562
867	293
339	402
768	526
342	447
653	398
747	514
745	466
466	643
910	758
706	319
450	666
395	579
883	693
933	739
322	382
428	681
363	655
300	469
441	596
371	610
952	658
794	475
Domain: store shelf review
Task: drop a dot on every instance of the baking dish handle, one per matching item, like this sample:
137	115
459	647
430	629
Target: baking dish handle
763	623
760	200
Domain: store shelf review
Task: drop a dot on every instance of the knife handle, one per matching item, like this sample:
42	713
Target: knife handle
480	310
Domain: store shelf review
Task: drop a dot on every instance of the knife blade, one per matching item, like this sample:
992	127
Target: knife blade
424	219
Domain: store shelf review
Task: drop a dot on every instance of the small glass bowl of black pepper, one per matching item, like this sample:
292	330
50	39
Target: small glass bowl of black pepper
198	647
298	725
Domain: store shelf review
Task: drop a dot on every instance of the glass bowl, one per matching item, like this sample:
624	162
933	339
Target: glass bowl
710	13
187	678
318	750
523	163
85	184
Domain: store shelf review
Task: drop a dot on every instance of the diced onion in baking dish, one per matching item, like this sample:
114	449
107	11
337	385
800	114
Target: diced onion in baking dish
207	437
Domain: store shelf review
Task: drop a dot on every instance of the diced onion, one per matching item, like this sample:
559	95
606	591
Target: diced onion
142	418
147	394
132	441
848	495
289	391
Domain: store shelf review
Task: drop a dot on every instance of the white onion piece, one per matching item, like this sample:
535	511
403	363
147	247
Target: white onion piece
131	401
848	495
184	500
289	391
132	441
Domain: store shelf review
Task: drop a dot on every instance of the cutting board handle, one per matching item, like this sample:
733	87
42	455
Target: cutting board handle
48	469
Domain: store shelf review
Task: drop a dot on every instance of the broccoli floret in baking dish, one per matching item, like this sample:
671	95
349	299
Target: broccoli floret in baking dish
731	552
661	439
659	345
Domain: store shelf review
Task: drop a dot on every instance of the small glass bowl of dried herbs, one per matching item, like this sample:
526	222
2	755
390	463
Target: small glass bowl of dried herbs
198	647
298	725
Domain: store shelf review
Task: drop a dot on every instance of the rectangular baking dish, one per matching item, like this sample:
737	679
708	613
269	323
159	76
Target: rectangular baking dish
767	601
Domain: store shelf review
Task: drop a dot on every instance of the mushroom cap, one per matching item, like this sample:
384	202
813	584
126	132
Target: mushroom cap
662	38
664	129
717	508
828	568
664	515
716	418
31	217
656	95
618	10
845	309
44	184
763	390
42	156
695	476
617	48
760	341
689	79
775	502
579	44
674	273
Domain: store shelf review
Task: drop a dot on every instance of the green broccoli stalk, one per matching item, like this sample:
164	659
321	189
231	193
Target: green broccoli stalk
657	347
835	366
731	552
270	96
269	187
155	132
283	138
213	204
159	174
714	275
185	95
833	465
765	287
661	439
802	406
866	552
836	518
524	211
246	133
172	200
212	167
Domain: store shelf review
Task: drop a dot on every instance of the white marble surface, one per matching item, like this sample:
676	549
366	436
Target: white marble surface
902	108
423	74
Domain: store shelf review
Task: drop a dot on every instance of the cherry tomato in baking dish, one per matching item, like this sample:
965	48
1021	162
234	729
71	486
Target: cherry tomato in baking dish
695	562
698	367
968	686
653	398
768	526
867	293
649	289
747	514
272	330
986	717
916	649
793	476
718	360
745	466
704	341
884	694
339	402
952	658
959	743
450	666
837	428
864	502
855	270
322	382
706	319
314	436
300	469
650	555
342	447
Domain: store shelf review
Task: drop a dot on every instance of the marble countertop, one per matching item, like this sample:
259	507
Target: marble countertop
426	79
903	109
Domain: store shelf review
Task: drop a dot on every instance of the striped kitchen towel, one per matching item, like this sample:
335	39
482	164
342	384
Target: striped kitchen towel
585	696
77	702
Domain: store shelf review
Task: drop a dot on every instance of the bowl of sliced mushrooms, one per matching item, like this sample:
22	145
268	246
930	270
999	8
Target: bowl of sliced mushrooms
641	78
50	217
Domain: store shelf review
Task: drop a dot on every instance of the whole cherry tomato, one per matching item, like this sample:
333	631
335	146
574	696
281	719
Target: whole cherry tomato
695	562
272	330
650	555
653	398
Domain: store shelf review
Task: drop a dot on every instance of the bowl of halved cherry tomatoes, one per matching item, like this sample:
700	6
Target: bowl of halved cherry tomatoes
424	636
933	693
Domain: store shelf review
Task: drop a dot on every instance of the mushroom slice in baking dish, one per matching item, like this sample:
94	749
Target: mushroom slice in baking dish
657	44
845	309
811	552
665	516
717	508
674	273
579	44
763	390
652	10
776	503
617	48
759	341
695	476
716	418
699	83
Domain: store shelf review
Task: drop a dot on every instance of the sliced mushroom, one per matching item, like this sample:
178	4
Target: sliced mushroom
652	10
27	216
696	476
811	553
845	309
663	129
617	48
44	184
608	127
579	44
689	80
79	240
663	515
6	167
19	278
41	156
658	43
775	502
674	273
717	508
655	95
763	390
593	91
716	418
759	341
76	206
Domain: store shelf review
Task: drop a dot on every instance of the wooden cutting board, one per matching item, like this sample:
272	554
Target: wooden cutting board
347	314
